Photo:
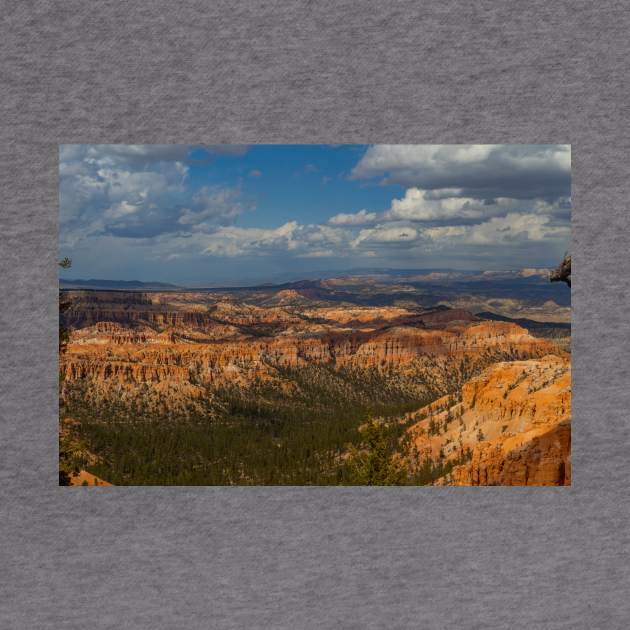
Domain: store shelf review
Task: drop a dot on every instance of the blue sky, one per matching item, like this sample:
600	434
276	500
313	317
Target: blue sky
294	182
231	214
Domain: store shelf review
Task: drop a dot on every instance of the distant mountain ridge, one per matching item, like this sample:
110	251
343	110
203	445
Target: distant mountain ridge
114	284
292	278
318	280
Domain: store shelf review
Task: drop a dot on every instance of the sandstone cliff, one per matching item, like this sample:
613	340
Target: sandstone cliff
109	352
510	426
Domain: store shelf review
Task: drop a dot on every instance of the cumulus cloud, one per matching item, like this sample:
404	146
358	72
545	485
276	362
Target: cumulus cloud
478	171
422	206
307	241
212	207
386	235
465	196
415	206
122	209
138	191
510	229
358	218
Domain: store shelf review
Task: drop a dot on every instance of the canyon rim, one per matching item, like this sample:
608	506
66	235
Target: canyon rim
315	315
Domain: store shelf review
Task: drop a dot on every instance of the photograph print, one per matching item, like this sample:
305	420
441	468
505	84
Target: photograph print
352	315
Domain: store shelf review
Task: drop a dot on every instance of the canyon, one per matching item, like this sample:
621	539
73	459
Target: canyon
494	396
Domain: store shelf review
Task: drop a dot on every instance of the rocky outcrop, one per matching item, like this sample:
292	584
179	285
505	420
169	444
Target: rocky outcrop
109	352
511	425
121	371
84	478
160	311
538	457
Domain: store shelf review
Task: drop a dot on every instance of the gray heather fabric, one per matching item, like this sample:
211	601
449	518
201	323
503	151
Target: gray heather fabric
336	72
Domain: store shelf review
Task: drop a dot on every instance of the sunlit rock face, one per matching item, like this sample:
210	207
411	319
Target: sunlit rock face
513	421
190	340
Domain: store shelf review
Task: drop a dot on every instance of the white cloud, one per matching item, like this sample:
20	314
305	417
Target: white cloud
387	239
212	207
422	206
358	218
121	209
482	171
513	228
390	157
415	206
138	191
126	185
306	241
386	235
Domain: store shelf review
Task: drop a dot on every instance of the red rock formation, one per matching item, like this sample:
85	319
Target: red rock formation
175	345
167	351
108	352
514	420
